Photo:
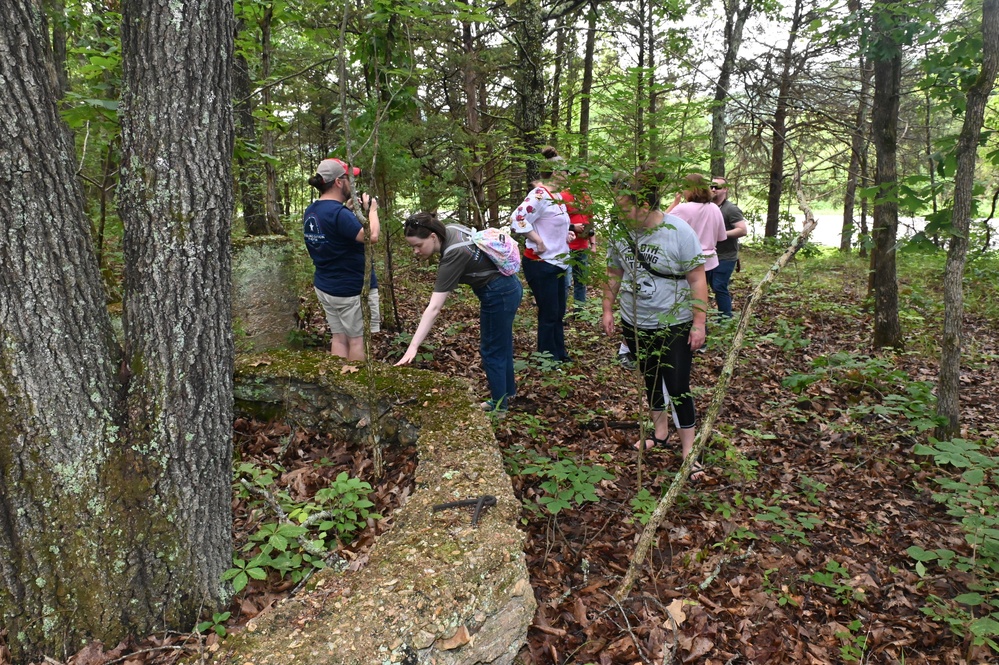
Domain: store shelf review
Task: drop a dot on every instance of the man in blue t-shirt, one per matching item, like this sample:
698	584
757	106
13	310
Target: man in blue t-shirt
335	239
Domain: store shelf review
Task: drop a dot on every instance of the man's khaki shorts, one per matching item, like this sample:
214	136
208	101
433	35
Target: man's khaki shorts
344	315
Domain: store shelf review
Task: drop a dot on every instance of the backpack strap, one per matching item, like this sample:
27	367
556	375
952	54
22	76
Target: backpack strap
645	264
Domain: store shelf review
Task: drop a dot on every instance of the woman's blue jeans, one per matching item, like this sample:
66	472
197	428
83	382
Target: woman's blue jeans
499	300
579	274
547	282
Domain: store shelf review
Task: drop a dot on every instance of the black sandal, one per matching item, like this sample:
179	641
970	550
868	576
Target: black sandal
656	442
697	472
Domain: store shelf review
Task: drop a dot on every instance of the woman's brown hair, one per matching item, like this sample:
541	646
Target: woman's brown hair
697	188
422	224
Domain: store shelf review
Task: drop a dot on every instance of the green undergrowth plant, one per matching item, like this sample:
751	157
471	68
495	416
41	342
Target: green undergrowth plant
874	386
551	373
853	642
643	504
789	337
297	536
564	483
216	624
972	499
791	528
773	587
836	578
401	342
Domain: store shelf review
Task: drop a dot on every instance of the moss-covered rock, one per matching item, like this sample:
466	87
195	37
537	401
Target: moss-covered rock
264	294
434	588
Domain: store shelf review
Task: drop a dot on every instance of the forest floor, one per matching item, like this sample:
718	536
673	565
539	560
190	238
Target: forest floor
796	547
794	550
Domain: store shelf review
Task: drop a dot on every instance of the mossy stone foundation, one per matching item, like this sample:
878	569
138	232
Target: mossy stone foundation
264	294
433	588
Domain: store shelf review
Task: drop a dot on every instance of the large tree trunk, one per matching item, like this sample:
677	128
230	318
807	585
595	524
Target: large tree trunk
58	394
776	188
948	386
735	19
114	495
884	129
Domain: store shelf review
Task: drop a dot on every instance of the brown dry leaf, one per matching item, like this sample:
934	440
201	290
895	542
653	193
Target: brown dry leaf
296	482
460	638
263	362
676	615
696	647
349	369
579	612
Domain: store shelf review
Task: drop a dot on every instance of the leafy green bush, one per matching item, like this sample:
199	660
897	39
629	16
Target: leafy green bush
300	539
563	481
974	501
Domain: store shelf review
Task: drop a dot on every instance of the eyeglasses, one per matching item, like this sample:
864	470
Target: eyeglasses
715	188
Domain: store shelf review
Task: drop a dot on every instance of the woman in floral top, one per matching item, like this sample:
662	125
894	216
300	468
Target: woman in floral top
543	218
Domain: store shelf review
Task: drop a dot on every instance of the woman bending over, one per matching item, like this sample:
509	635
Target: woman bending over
543	218
499	297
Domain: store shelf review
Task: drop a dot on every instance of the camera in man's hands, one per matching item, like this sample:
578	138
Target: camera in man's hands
358	198
583	230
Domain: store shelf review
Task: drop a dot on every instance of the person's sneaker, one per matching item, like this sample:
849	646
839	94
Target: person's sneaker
627	360
490	407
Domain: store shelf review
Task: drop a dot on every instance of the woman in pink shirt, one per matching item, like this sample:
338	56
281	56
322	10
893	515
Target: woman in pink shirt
702	215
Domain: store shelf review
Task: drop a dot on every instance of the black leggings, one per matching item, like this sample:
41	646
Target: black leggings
664	356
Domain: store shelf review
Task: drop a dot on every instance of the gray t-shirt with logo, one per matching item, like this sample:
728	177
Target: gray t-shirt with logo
647	301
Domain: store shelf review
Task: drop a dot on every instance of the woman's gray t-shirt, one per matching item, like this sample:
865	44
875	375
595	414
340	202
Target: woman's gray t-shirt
647	301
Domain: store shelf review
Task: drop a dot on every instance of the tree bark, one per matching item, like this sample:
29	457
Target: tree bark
587	85
58	396
948	385
561	53
779	128
248	165
115	468
530	85
639	138
735	19
114	493
57	15
858	142
472	125
271	210
884	129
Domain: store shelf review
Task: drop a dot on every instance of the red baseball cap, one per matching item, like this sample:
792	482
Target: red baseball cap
333	168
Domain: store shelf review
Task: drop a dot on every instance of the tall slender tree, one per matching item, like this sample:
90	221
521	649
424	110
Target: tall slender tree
948	386
736	14
779	125
858	141
886	56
